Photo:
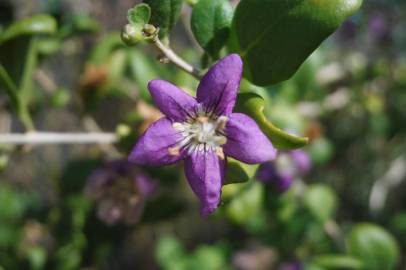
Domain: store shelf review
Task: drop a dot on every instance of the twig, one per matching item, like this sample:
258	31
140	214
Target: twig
393	177
91	125
175	59
35	138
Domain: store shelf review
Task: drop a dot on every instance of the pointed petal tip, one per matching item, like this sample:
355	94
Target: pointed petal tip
207	211
233	57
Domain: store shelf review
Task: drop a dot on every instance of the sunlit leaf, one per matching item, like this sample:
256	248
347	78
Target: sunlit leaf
275	37
211	21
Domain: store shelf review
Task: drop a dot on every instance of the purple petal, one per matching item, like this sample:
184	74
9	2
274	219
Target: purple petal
205	173
246	142
153	146
218	88
172	101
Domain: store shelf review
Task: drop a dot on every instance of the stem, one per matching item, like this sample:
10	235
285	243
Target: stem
35	138
12	91
10	87
175	59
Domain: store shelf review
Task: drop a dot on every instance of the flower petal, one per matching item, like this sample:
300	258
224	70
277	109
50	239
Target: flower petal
153	146
246	142
205	173
218	89
172	101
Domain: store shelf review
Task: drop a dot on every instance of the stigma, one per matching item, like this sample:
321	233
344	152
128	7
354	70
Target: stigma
201	132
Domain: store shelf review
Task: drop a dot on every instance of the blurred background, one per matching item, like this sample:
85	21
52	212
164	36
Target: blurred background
338	203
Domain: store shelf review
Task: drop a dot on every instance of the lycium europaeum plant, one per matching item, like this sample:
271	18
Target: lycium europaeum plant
203	131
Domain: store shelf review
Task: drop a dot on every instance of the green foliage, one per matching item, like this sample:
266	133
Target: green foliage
139	15
374	246
243	201
171	255
253	105
321	201
38	24
338	262
238	172
165	14
211	21
275	37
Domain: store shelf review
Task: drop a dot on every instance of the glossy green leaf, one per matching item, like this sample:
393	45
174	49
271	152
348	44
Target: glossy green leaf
211	21
338	262
238	172
275	37
139	15
374	246
321	201
39	24
165	13
253	105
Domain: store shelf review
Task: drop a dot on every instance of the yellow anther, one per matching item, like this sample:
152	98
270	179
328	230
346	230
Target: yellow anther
174	151
220	153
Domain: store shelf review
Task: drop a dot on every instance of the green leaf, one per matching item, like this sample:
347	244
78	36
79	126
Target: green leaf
139	15
211	21
253	105
246	201
336	261
165	13
39	24
275	37
374	246
321	201
168	250
238	172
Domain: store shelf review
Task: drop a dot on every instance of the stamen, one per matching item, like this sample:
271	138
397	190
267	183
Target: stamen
202	119
221	122
178	126
220	153
174	151
201	132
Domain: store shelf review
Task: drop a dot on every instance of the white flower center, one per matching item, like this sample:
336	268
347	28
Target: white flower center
202	132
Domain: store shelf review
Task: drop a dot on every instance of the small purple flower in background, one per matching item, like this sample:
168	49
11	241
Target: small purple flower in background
281	172
379	28
203	131
120	191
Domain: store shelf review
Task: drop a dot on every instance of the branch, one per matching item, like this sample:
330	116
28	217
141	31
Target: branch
175	59
35	138
392	178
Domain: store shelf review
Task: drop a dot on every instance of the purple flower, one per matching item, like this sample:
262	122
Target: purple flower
120	191
203	131
281	172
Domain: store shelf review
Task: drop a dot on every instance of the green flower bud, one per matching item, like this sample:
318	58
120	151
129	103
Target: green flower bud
131	35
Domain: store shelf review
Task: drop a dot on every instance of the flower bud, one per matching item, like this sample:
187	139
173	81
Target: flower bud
131	35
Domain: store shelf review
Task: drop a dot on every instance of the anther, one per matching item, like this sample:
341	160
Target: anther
220	153
174	151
